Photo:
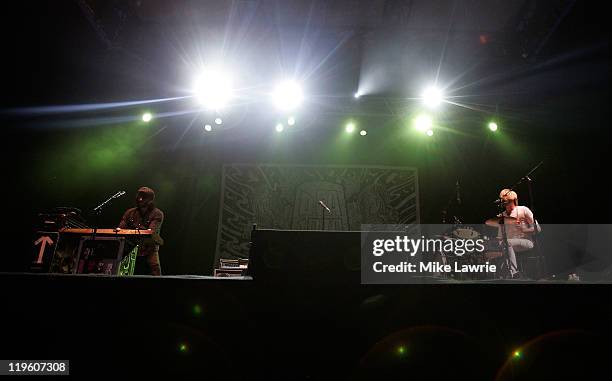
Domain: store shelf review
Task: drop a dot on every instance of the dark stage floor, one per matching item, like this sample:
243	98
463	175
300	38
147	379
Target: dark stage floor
194	325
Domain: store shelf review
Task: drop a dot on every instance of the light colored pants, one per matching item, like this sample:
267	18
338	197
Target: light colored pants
516	245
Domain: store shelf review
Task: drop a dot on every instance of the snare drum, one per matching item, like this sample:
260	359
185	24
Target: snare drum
466	233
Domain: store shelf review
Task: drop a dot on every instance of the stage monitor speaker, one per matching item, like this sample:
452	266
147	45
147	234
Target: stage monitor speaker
305	257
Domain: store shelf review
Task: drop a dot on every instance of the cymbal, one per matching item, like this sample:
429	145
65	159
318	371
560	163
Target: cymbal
495	221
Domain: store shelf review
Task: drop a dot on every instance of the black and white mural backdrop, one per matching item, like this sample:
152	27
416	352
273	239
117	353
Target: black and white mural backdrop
288	197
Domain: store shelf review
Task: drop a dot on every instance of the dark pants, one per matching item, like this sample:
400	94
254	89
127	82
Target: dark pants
148	264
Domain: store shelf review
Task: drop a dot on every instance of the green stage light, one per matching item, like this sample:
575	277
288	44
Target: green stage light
350	128
146	117
401	350
493	126
423	123
517	354
430	132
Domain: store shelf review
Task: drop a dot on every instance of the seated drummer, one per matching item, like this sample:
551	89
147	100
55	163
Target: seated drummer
519	236
145	216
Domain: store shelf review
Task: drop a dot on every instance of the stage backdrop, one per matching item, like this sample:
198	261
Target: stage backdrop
287	197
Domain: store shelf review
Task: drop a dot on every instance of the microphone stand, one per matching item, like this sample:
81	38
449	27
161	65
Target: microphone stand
323	209
504	243
453	199
531	202
323	214
542	268
528	179
98	211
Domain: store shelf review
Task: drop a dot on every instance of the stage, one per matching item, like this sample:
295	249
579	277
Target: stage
347	191
195	325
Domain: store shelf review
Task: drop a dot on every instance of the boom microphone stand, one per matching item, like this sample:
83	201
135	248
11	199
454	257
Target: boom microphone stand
98	211
504	243
531	202
529	186
323	209
454	200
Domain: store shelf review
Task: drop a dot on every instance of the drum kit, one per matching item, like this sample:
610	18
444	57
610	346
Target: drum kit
493	252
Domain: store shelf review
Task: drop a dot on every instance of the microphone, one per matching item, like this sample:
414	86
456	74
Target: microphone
324	206
458	191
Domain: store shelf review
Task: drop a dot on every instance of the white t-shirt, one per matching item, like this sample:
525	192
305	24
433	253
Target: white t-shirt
523	213
525	216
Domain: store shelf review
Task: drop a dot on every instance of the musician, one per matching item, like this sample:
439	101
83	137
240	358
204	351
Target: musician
145	216
520	234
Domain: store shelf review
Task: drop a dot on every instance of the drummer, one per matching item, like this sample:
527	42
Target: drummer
520	234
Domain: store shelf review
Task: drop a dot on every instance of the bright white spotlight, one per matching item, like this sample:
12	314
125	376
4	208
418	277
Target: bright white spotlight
432	97
363	133
291	121
430	132
279	127
146	117
208	128
350	127
422	123
213	89
288	95
357	95
218	121
493	126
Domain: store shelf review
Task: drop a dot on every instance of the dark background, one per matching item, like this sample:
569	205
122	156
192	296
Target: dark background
543	74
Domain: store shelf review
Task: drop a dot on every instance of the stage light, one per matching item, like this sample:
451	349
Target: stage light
423	123
401	350
357	95
291	121
197	309
493	126
213	88
146	117
432	97
183	348
288	95
430	132
517	354
363	133
208	128
279	127
218	121
350	127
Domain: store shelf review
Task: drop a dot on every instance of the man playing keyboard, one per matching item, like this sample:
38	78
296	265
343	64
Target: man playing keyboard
145	216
